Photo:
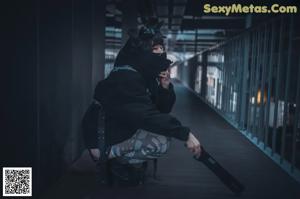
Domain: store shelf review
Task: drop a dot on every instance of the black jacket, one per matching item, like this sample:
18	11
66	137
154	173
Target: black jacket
133	100
130	105
164	99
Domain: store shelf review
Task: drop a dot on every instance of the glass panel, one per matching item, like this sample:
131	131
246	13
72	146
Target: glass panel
198	79
113	36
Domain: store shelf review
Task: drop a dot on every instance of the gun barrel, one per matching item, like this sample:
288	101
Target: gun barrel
230	181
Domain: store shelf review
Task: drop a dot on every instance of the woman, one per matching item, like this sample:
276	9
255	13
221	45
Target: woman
137	98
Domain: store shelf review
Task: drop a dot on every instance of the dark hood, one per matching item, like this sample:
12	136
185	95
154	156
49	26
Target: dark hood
144	61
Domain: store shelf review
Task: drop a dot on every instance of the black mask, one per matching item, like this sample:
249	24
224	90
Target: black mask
137	51
151	64
147	63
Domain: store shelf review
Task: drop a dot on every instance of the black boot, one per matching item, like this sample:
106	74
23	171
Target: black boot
103	165
127	174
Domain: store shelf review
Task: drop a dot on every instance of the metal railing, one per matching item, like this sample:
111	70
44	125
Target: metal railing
253	81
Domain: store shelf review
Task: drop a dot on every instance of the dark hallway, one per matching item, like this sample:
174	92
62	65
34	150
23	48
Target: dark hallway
234	65
179	176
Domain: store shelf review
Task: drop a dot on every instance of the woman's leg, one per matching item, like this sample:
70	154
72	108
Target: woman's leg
141	146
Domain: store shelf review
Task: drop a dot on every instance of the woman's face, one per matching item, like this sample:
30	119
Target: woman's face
158	49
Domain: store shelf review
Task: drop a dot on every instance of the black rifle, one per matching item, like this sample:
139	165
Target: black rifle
231	182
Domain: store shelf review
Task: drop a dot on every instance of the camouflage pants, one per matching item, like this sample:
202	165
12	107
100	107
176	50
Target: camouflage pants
141	146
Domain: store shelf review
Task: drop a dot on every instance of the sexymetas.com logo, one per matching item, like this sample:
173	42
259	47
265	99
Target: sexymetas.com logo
248	9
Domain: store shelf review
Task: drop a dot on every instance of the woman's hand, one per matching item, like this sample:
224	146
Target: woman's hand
164	76
193	145
165	79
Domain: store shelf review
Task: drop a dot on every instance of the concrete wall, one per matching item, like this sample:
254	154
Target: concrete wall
55	56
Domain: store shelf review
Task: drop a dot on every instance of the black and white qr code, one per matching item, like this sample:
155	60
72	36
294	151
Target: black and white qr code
17	181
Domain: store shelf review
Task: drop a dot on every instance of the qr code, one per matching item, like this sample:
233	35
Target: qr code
17	181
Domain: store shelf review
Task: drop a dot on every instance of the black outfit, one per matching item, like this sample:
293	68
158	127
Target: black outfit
164	99
134	100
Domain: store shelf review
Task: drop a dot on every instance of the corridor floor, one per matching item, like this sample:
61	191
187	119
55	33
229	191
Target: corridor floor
180	176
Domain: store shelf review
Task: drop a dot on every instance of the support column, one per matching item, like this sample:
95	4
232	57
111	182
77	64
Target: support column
98	41
129	18
196	42
248	22
244	86
204	75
